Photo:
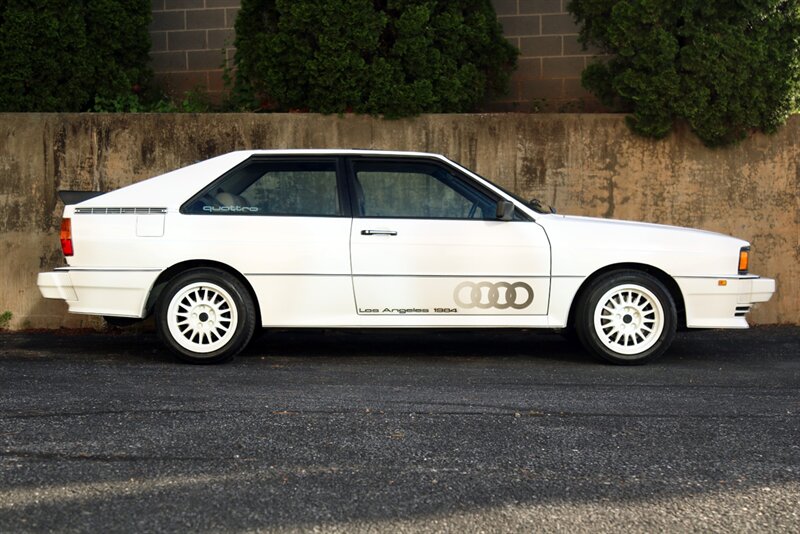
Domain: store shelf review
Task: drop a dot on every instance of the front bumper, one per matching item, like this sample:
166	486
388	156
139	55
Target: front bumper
761	290
723	302
115	292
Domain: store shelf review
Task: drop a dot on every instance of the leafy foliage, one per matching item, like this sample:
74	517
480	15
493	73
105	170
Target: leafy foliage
5	319
196	100
62	55
391	57
727	67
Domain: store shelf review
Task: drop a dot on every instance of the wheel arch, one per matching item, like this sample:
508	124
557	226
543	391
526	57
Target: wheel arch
168	274
661	276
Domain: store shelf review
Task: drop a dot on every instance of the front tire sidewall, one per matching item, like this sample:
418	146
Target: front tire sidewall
648	288
234	295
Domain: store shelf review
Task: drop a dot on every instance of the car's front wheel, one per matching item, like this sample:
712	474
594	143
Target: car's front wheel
626	317
205	316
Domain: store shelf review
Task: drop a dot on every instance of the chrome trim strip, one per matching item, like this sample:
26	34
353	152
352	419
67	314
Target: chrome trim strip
406	275
297	274
452	275
120	211
107	270
723	277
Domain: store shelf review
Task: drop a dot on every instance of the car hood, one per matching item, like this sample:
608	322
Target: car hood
599	227
583	244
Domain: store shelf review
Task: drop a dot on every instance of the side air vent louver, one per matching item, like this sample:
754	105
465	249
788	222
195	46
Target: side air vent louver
120	211
741	311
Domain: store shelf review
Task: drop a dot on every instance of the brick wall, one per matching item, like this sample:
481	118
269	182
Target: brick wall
551	58
192	40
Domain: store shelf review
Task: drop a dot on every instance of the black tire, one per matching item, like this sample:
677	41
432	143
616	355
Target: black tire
205	316
121	322
569	334
635	322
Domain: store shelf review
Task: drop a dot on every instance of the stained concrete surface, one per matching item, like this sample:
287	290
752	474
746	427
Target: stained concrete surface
584	164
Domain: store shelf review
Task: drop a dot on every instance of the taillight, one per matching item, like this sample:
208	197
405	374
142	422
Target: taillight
744	260
66	237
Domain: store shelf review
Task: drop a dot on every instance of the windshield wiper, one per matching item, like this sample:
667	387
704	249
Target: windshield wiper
536	204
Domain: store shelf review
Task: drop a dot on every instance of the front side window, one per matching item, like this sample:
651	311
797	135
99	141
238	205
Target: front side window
274	188
417	190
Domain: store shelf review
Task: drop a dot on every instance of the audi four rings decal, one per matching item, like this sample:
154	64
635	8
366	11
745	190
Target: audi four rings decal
499	295
474	295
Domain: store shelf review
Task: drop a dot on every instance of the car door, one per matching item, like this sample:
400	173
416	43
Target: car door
427	248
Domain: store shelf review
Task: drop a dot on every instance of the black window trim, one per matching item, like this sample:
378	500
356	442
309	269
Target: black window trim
470	181
341	184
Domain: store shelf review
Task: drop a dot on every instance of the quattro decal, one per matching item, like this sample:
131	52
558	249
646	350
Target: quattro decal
230	209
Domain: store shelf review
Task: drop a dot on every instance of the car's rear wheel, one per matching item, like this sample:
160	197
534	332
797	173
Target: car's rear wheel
205	316
626	317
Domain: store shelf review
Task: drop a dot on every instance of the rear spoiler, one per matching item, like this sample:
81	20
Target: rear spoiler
69	197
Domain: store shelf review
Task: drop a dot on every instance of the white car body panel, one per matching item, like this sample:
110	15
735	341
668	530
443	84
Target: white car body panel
113	292
708	304
301	263
321	271
583	245
436	256
169	189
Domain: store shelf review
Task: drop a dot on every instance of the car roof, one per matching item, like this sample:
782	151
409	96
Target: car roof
170	190
337	152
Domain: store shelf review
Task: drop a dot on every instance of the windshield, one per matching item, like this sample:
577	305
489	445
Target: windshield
533	204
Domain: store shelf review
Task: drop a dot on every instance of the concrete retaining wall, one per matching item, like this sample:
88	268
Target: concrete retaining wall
583	164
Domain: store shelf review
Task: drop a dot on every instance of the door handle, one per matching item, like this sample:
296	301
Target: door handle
378	232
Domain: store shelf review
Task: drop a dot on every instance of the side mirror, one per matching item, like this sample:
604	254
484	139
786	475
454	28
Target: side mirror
505	210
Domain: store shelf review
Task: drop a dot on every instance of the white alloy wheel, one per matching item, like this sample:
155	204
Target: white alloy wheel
202	317
628	319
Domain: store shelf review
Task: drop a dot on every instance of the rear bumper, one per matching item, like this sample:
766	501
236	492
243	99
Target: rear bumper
712	305
115	292
56	285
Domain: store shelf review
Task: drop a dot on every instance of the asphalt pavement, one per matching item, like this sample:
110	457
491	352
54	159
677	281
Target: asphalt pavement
353	431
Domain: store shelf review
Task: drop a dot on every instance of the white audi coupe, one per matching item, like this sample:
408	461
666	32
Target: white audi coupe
364	238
